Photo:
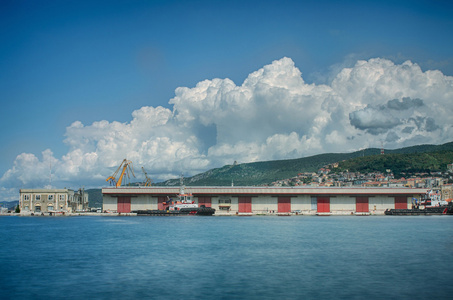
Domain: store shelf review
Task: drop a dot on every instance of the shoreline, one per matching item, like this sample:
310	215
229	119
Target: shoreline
258	214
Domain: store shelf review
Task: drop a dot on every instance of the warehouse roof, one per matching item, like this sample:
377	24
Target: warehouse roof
260	190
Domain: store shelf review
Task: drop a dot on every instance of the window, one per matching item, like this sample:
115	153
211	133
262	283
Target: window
224	204
26	197
26	208
62	197
49	208
38	197
38	208
50	197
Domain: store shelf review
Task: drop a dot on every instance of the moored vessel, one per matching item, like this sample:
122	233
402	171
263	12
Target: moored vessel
430	205
430	210
183	205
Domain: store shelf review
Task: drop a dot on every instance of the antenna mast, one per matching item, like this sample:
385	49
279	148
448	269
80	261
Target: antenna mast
50	173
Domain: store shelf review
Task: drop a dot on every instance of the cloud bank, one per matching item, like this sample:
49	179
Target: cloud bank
273	114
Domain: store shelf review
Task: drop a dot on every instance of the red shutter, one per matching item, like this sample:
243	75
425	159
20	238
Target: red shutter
323	204
124	204
401	202
119	207
362	204
206	201
245	204
284	204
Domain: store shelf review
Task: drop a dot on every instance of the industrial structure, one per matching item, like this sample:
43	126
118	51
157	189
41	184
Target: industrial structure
267	200
126	169
148	181
52	200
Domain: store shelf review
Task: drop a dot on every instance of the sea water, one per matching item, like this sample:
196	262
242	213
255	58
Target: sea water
297	257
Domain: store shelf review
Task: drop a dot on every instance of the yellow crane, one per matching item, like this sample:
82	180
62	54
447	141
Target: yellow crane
148	180
126	169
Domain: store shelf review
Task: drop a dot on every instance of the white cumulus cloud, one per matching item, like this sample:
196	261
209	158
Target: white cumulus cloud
273	114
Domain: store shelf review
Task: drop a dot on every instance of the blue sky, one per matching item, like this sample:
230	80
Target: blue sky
87	61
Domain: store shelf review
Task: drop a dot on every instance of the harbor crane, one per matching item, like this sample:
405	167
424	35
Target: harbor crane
148	180
126	170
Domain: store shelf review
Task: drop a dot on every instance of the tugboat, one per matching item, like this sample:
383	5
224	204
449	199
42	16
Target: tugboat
184	205
432	206
430	210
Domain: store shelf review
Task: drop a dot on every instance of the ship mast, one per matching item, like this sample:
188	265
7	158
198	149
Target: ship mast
181	184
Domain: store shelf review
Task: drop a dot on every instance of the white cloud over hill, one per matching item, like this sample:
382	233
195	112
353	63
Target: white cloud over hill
273	114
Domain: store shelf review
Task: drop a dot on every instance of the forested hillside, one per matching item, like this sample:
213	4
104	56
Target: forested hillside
94	197
261	173
401	165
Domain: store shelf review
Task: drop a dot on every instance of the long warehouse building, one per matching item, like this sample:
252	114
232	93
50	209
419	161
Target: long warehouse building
266	200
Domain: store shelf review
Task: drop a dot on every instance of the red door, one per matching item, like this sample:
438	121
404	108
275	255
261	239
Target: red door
124	204
284	204
401	202
245	204
323	204
160	202
361	204
206	201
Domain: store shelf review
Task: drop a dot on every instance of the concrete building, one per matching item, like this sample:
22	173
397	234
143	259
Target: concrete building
447	191
52	200
267	200
80	201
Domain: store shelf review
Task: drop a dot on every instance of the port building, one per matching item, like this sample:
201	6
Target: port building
52	200
267	200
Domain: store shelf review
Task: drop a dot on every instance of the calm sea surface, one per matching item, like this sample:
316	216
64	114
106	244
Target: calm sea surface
298	257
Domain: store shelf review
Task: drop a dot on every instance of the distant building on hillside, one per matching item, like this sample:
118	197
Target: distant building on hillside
447	191
450	168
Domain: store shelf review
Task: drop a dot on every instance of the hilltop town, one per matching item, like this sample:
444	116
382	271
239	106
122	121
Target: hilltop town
440	183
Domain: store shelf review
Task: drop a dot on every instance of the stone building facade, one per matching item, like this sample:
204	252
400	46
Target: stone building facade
52	200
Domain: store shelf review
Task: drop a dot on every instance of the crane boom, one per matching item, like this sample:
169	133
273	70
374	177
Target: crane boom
148	180
126	168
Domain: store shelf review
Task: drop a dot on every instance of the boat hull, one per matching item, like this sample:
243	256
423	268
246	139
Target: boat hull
196	211
436	210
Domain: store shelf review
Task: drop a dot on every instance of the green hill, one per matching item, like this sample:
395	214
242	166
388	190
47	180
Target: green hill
94	197
401	165
261	173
